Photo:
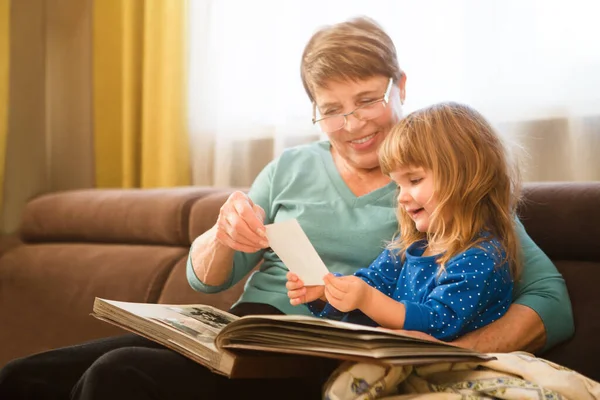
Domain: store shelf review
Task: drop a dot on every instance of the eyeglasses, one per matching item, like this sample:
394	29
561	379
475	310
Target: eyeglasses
364	112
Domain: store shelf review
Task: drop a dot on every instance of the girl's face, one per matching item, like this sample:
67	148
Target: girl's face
357	142
416	194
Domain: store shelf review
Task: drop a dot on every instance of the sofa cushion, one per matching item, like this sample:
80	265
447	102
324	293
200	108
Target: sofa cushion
144	216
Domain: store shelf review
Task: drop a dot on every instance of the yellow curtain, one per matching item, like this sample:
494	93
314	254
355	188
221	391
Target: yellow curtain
140	111
4	68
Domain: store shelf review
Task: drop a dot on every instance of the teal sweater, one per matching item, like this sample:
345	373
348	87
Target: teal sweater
349	232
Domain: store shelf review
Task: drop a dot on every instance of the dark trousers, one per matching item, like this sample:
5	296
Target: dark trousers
132	367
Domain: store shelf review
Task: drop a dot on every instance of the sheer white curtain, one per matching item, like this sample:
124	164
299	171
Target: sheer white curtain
530	66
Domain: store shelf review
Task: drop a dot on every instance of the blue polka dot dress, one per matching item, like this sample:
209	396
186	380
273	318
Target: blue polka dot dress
473	291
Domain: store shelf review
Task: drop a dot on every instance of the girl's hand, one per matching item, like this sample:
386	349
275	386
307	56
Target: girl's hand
299	294
240	224
346	293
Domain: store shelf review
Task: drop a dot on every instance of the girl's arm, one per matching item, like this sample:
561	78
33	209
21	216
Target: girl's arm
387	312
520	329
472	292
541	315
348	293
382	273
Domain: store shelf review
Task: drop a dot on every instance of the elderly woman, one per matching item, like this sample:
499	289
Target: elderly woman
345	204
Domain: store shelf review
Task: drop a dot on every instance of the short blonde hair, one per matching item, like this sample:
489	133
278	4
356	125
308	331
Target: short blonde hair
356	49
475	179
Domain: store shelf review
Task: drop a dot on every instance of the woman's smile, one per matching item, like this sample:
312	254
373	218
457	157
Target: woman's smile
365	142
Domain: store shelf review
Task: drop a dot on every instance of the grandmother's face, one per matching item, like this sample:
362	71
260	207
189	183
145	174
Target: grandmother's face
357	141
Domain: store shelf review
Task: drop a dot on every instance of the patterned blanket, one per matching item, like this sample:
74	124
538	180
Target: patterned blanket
517	375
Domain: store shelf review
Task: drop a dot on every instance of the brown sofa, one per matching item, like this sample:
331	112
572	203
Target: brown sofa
132	245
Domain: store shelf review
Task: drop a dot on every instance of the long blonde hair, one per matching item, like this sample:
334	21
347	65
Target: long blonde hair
476	184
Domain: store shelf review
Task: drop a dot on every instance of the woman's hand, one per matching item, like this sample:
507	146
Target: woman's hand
240	224
346	293
299	294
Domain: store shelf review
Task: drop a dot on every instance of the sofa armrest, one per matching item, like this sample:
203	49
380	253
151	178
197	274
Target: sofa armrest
137	216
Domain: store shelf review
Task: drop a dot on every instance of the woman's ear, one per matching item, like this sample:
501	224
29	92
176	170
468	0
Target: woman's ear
402	87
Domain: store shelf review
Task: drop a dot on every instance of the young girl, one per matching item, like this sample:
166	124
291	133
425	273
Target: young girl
451	268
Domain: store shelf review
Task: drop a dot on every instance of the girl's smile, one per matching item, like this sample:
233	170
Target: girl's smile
416	194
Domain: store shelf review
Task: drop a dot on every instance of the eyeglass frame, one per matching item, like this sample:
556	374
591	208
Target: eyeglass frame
385	99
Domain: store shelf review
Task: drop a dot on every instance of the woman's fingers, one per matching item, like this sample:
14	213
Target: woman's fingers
227	235
240	224
225	239
252	214
239	231
259	212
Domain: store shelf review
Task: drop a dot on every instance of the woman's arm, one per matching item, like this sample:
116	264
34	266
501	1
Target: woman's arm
205	253
519	329
224	254
239	227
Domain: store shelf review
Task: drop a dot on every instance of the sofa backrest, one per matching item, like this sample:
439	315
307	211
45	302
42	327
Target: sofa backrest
564	220
132	216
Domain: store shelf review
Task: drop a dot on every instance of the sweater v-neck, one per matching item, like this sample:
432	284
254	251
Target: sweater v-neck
341	186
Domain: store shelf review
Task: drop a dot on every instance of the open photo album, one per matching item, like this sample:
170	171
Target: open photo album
270	345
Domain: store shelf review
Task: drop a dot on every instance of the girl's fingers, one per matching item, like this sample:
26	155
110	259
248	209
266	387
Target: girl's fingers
297	302
333	293
339	282
294	285
297	294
